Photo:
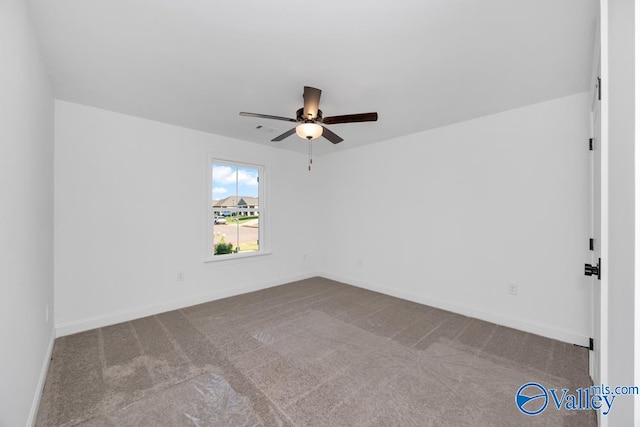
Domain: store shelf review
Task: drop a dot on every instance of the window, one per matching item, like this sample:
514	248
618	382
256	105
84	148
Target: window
235	214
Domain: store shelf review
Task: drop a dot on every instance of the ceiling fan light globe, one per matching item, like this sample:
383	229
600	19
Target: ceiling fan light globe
309	130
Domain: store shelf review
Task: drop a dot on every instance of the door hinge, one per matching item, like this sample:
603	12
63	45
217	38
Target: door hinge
593	270
591	244
590	347
599	85
590	144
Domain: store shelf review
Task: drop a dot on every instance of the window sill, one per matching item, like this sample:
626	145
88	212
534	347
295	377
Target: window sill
229	257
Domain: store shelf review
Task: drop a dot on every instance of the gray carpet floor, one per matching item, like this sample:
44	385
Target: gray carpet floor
309	353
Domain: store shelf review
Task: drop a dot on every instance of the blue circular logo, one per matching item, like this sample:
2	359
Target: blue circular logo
532	398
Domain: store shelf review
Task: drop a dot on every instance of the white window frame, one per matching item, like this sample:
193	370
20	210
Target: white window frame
262	211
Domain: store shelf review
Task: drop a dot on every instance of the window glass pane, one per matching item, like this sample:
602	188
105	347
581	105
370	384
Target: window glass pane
248	228
223	188
225	238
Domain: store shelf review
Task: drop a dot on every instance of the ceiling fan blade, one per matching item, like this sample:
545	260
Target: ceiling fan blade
331	136
311	102
284	135
350	118
267	116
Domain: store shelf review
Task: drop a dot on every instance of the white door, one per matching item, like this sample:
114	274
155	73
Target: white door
599	296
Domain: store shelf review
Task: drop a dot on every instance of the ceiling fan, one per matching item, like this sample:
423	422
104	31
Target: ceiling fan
310	121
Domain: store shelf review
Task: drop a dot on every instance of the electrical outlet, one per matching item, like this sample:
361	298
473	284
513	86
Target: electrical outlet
512	289
180	277
360	263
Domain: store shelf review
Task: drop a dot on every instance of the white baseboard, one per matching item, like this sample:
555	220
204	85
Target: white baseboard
43	377
76	326
531	327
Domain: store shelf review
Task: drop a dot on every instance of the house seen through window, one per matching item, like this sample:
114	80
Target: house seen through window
235	214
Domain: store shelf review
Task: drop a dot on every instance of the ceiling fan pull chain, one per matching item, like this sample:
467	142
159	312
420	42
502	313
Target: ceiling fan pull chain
310	156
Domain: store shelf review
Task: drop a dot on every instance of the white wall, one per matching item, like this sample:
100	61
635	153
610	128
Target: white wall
620	90
449	217
130	214
26	216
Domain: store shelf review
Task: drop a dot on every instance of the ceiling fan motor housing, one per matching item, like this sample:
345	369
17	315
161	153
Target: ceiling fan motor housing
302	119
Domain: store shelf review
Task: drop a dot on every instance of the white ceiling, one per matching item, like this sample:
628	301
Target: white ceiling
420	64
